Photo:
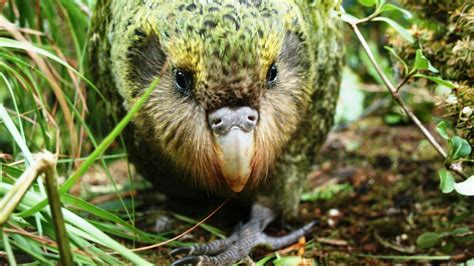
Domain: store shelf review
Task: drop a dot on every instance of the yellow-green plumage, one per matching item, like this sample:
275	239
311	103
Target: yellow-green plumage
227	47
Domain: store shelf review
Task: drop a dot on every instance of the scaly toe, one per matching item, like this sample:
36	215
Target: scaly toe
181	252
189	260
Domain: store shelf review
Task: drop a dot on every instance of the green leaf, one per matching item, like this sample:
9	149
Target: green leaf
326	192
265	259
446	179
391	7
368	3
392	51
393	119
465	188
461	230
422	63
441	128
470	262
291	260
428	240
459	148
437	80
403	32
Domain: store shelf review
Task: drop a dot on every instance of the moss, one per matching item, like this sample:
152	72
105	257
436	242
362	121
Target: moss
444	32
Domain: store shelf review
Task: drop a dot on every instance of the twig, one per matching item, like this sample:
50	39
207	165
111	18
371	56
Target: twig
369	18
410	257
331	241
387	244
466	234
396	96
403	82
43	164
183	233
457	168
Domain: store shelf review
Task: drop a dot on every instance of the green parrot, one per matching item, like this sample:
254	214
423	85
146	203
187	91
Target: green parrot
246	97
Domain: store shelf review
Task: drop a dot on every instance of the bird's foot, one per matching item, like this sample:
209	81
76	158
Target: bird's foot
240	243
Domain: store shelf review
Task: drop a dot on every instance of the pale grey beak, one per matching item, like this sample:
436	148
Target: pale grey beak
233	130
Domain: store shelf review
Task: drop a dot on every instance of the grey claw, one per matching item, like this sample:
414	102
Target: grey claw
189	260
310	226
240	243
183	251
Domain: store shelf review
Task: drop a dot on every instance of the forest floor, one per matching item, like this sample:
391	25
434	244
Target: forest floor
374	192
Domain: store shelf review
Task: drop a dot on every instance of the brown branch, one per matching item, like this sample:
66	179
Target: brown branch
403	82
396	97
457	168
367	19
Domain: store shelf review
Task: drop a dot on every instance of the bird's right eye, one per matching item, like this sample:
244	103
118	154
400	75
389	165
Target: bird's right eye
183	81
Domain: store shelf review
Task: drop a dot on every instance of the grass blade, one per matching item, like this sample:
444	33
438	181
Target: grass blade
8	248
100	149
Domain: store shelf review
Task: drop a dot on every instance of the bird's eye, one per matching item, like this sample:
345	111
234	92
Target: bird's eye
272	74
183	81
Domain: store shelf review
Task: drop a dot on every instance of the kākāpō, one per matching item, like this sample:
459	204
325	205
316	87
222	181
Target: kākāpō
246	97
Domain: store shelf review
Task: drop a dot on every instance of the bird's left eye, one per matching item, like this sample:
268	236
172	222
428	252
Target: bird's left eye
272	74
183	81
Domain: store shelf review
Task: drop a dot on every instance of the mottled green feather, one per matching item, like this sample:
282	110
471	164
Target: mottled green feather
228	46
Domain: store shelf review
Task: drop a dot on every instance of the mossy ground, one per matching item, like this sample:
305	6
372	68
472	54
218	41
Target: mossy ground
393	199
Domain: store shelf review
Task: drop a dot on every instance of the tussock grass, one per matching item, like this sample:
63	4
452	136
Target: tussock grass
43	106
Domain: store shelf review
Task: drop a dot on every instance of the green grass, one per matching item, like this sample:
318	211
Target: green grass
45	92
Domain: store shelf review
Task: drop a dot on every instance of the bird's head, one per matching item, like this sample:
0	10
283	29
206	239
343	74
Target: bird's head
235	89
